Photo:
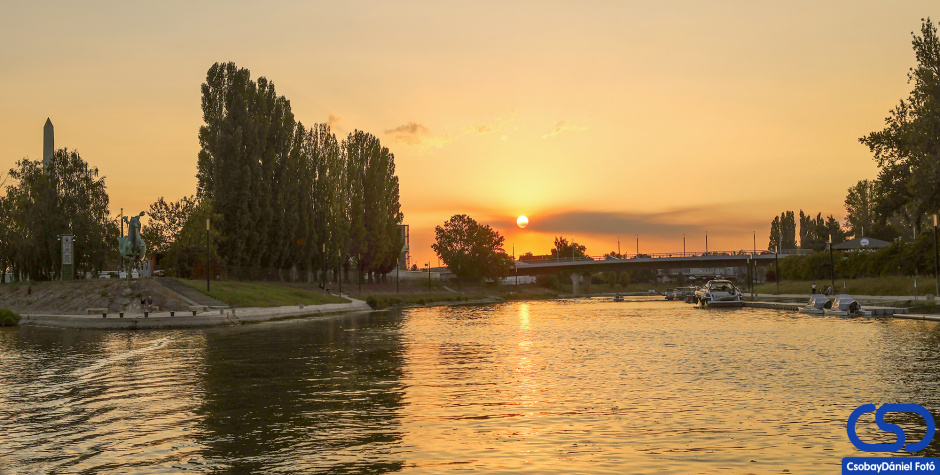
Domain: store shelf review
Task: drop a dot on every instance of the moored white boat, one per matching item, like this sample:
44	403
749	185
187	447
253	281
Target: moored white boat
845	305
719	293
816	305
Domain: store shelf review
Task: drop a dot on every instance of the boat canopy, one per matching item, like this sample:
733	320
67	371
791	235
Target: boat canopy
721	286
843	301
817	301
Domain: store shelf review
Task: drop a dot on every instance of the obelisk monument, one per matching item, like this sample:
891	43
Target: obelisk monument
48	143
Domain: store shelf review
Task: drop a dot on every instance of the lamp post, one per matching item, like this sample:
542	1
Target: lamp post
706	242
683	244
936	255
637	245
777	264
428	265
832	267
207	254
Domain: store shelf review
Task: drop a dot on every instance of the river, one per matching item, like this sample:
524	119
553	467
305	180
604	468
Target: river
564	386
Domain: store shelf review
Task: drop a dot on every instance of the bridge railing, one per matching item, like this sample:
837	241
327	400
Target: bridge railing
659	255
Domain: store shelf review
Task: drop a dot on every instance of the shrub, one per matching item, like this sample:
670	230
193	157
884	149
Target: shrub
8	318
550	281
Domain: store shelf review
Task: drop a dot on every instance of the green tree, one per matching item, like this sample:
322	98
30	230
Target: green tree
165	220
68	197
188	249
470	250
783	232
565	250
860	208
907	150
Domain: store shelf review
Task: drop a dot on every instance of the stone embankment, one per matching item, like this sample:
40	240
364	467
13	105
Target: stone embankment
202	317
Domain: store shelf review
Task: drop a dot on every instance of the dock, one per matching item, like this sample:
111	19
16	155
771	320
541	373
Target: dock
875	311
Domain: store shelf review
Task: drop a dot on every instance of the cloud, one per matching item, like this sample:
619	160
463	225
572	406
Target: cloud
666	224
562	126
414	133
495	125
333	121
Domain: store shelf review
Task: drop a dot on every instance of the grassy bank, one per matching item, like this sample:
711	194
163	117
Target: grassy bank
887	286
264	294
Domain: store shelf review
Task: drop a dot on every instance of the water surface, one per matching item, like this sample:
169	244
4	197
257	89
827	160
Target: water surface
586	386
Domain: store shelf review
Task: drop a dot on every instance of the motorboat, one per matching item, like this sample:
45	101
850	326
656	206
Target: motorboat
680	293
618	298
817	303
719	293
845	305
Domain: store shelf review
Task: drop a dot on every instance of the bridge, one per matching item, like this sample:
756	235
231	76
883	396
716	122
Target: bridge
576	266
708	260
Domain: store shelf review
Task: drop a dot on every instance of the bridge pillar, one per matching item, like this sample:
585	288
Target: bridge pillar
575	277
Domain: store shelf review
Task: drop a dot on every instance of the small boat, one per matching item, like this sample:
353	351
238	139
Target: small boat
618	298
680	293
845	305
719	293
816	305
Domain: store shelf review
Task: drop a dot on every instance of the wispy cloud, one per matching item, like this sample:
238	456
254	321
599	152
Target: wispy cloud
333	121
664	224
562	126
495	125
414	133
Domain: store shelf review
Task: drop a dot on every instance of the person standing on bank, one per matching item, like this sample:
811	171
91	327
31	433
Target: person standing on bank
814	288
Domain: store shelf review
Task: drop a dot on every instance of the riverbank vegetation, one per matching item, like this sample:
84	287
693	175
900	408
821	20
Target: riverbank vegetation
264	294
899	205
878	286
8	318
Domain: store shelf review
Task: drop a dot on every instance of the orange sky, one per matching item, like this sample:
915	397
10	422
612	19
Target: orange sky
594	119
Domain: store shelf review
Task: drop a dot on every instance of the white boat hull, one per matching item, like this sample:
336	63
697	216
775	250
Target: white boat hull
810	311
722	303
842	313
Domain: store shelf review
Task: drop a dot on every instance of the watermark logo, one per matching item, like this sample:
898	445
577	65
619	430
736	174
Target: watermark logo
892	428
889	465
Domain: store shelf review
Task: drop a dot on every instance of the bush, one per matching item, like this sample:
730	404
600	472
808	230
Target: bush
550	281
8	318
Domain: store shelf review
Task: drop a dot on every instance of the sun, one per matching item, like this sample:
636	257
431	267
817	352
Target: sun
522	221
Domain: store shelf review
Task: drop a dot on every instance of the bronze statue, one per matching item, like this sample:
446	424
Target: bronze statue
132	247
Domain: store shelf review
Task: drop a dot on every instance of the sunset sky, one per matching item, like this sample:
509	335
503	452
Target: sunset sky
594	119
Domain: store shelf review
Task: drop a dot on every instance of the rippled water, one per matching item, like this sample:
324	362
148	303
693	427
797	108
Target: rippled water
585	386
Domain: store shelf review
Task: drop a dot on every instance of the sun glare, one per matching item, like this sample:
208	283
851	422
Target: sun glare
522	221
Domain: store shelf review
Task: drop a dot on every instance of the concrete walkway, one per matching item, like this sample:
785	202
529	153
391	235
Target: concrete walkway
860	298
215	317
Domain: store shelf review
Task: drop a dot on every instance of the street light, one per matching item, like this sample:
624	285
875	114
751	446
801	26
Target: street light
936	255
428	265
207	254
832	267
777	264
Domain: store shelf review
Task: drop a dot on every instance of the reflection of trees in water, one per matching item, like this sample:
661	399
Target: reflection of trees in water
304	396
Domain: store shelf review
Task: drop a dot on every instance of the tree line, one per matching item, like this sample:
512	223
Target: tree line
289	196
276	194
43	203
900	203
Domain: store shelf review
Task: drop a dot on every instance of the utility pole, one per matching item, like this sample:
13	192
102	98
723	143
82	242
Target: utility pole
777	264
207	255
832	268
936	255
